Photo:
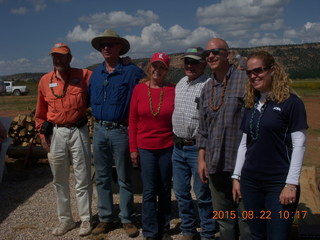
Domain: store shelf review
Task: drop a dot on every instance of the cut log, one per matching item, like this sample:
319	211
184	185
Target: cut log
309	205
19	151
22	119
29	126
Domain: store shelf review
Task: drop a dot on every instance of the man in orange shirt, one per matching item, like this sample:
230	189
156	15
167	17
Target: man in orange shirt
61	119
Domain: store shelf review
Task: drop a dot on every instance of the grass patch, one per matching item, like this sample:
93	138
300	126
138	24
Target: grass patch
314	132
307	87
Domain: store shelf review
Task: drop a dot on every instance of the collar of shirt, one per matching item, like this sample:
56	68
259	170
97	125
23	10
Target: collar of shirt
232	68
201	78
118	69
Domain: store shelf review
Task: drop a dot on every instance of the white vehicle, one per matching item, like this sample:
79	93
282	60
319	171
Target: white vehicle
11	89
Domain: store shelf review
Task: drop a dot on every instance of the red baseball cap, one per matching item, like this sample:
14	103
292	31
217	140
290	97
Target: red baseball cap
60	48
161	57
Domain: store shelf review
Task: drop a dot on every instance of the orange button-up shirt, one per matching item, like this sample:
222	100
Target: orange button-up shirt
67	109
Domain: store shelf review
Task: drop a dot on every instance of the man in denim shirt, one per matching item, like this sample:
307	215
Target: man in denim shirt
110	89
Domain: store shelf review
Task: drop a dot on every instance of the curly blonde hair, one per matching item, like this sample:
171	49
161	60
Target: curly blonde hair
280	86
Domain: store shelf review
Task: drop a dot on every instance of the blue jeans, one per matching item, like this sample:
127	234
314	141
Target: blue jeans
110	145
222	200
185	166
156	175
263	197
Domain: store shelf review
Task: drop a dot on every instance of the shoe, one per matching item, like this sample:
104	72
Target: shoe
63	228
131	230
85	228
166	236
102	227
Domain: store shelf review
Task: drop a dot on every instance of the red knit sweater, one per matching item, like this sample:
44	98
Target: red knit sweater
145	130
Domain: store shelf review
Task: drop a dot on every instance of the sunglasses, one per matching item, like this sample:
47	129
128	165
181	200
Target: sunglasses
190	61
257	71
108	44
214	51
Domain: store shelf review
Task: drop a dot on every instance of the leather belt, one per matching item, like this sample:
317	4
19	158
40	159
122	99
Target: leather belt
180	142
67	125
111	124
80	123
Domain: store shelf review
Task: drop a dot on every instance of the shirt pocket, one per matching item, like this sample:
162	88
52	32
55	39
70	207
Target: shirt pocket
235	102
118	93
54	104
76	98
97	95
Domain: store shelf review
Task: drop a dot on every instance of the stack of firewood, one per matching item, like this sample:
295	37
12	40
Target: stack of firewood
23	131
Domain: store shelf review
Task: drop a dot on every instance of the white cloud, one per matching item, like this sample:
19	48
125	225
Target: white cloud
23	64
176	39
80	35
38	5
249	14
120	19
276	25
308	33
269	40
19	11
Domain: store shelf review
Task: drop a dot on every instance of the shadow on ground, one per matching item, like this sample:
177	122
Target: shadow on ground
19	183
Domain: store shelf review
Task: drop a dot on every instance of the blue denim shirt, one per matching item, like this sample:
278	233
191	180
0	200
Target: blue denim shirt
110	93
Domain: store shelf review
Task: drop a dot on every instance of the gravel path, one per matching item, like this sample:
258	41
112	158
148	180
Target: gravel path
28	207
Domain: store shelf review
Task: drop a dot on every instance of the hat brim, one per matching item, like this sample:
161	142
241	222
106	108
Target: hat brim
193	57
96	42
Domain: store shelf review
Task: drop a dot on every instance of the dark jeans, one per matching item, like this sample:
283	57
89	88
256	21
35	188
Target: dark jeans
185	167
262	198
156	174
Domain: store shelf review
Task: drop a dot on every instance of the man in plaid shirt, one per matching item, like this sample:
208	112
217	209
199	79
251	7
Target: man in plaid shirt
221	110
185	121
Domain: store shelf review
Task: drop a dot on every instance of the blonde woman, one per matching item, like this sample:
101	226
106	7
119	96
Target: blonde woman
151	145
271	151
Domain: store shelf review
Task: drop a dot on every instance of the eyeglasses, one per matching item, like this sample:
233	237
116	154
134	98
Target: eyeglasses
108	44
214	51
257	71
190	61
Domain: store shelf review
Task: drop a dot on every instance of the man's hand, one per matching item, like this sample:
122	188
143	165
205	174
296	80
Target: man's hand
45	142
126	60
202	167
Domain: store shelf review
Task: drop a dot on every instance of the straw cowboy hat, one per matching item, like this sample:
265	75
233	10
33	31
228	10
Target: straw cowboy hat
112	36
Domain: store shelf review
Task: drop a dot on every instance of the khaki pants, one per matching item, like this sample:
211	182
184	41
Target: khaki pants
71	146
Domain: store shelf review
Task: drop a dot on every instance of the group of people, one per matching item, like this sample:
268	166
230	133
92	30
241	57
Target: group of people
237	138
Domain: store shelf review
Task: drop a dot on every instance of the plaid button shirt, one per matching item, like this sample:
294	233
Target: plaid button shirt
219	131
185	118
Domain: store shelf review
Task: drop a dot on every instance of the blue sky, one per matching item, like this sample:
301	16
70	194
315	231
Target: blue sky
29	28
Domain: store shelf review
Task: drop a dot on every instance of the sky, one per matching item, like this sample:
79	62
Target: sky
29	28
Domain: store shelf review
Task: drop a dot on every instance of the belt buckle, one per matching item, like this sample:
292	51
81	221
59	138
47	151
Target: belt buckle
188	142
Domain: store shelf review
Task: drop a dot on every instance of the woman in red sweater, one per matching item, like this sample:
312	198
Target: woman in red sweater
150	138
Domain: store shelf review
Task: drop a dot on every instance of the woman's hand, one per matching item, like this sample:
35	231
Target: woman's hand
236	190
288	194
134	158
